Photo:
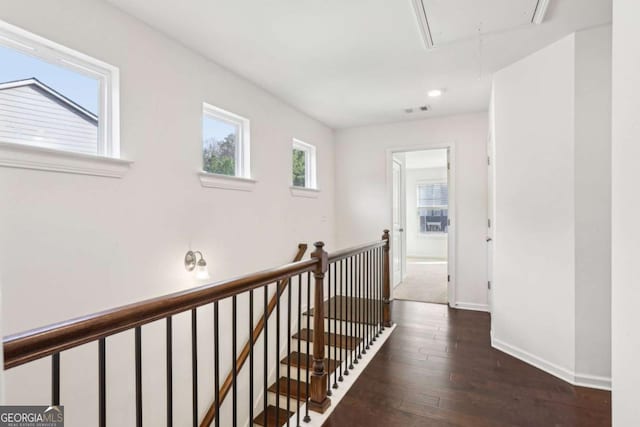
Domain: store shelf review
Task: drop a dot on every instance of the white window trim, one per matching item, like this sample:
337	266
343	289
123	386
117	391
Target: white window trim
227	182
310	170
26	156
243	148
45	159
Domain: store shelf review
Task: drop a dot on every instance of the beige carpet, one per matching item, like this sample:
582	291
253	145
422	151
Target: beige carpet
426	281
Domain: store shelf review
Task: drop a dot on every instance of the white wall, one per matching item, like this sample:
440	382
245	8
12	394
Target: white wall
593	186
423	245
362	191
551	263
533	293
626	211
73	244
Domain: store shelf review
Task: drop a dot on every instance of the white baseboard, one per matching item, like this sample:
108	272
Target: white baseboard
582	380
470	306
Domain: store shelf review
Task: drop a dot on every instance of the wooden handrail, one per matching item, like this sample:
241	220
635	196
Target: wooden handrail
345	253
41	342
244	354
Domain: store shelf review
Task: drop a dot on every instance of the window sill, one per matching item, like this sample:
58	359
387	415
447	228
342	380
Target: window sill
214	180
310	193
26	157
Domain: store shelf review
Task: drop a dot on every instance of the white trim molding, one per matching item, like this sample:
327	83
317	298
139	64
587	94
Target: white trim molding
227	182
27	157
573	378
470	306
310	193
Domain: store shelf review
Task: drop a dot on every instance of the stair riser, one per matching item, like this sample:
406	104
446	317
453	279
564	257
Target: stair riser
303	348
271	399
347	329
303	372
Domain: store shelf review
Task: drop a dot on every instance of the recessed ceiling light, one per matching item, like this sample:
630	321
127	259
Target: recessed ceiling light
434	93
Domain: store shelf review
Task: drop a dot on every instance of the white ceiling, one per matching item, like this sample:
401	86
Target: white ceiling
357	62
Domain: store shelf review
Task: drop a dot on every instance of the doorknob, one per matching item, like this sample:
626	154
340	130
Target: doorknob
489	239
401	230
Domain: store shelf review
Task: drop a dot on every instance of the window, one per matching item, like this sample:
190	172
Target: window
303	165
55	98
433	207
225	143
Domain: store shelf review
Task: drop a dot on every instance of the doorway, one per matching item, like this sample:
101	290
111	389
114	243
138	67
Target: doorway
421	211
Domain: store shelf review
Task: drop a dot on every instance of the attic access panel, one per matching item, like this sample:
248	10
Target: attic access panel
448	21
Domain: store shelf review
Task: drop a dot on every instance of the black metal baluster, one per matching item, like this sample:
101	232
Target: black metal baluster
289	286
369	281
55	379
365	308
360	305
216	362
358	329
102	383
380	273
266	354
234	370
307	418
169	339
375	293
381	293
342	320
278	353
335	326
251	356
328	340
138	351
352	331
299	338
194	367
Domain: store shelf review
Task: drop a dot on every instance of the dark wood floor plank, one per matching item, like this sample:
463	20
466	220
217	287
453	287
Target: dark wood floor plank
439	369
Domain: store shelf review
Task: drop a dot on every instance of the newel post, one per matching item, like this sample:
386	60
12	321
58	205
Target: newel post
319	401
386	284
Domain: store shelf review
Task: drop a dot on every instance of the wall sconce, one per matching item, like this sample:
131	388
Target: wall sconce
191	262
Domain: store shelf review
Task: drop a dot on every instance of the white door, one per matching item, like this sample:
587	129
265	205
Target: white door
398	224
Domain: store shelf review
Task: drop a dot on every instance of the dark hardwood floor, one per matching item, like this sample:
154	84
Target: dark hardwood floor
438	369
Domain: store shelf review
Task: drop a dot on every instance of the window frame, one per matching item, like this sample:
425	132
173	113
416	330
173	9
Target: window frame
243	142
108	76
310	164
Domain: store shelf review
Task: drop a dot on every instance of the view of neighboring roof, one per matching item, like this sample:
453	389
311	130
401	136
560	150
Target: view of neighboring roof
55	94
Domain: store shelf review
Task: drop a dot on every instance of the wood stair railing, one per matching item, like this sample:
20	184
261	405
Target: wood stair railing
244	354
357	313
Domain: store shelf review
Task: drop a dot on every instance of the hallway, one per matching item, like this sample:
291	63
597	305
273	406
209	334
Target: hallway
438	369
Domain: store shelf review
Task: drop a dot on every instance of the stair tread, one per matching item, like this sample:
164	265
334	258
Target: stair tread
341	341
271	417
294	388
306	361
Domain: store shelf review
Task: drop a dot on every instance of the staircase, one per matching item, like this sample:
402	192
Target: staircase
287	396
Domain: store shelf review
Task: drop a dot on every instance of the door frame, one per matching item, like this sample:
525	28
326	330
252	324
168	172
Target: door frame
452	234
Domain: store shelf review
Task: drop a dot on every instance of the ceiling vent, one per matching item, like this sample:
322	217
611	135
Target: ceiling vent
445	22
422	109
